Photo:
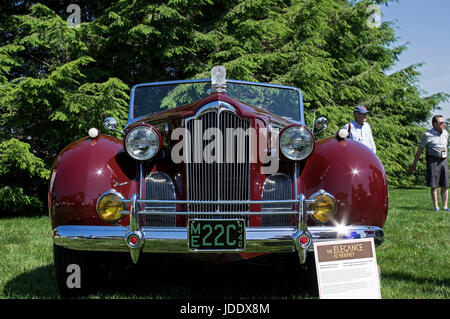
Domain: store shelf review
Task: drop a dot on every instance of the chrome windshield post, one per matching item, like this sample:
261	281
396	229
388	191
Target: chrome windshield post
134	237
302	237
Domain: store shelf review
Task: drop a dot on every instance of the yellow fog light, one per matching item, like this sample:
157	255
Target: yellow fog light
322	206
109	206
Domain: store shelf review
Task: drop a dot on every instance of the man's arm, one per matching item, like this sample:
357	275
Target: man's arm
412	168
372	142
368	137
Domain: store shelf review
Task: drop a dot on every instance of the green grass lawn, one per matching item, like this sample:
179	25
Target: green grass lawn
414	261
415	256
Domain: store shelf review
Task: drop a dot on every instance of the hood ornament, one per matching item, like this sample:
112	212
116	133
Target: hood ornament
116	183
218	81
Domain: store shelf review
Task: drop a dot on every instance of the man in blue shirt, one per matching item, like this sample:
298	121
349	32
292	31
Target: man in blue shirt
435	141
359	129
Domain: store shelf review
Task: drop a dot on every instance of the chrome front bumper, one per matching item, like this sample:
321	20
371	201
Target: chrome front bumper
175	240
137	238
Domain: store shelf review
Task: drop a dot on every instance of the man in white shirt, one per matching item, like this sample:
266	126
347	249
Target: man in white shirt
359	130
436	143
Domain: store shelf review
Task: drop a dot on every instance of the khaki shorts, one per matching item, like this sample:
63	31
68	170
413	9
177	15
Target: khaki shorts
437	172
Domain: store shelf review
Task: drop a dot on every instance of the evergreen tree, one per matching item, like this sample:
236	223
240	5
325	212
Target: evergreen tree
46	101
56	82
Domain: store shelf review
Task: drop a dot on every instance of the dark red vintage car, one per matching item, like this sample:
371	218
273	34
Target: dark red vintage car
211	169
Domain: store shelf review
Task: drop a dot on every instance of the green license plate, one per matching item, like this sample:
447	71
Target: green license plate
216	234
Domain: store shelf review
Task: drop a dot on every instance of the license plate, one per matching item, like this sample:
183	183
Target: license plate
216	234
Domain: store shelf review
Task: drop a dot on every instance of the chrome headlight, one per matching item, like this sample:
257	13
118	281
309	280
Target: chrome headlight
143	142
296	142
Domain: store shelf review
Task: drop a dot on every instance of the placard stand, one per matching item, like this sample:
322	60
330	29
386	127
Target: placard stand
347	269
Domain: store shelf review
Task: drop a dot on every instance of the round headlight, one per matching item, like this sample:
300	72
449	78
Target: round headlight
296	142
322	206
109	206
142	142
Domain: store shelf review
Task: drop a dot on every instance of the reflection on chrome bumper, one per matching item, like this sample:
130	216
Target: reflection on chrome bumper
175	240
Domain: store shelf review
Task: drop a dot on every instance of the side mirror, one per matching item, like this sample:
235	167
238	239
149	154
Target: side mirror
321	125
111	124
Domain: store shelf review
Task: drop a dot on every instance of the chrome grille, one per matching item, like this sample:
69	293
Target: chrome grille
226	174
158	185
277	186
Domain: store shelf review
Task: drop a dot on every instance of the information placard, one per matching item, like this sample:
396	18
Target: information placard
347	269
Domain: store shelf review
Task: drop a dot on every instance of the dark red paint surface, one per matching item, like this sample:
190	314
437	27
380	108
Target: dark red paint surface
82	172
89	167
354	175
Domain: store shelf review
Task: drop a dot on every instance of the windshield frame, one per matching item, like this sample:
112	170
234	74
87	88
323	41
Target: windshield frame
132	119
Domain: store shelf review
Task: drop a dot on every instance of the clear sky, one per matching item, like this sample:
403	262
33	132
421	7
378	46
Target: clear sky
425	25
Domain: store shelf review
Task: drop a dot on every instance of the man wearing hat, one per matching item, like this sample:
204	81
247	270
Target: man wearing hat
359	130
435	142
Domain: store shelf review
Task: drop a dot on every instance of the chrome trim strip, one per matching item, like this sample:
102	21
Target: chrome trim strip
134	214
141	178
300	201
296	166
143	212
217	202
174	240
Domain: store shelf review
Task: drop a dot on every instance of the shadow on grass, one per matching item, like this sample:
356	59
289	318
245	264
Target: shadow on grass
172	277
38	283
176	278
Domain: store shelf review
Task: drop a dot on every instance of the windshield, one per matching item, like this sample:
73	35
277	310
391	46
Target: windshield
147	99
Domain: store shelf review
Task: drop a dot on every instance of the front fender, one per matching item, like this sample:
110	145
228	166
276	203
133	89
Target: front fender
354	175
82	172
